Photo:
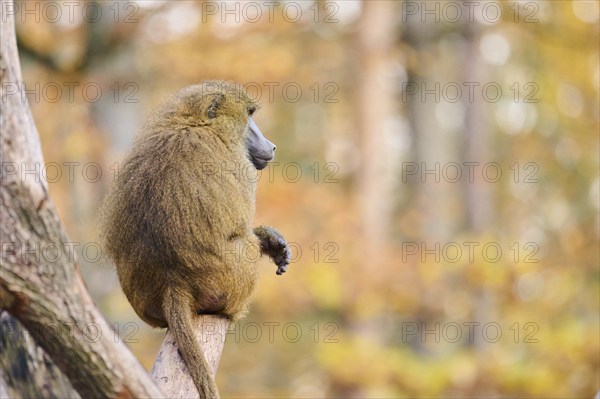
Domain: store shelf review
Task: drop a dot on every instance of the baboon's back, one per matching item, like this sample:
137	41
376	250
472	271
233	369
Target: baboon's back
170	218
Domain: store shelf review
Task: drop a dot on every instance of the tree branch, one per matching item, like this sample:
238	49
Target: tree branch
170	373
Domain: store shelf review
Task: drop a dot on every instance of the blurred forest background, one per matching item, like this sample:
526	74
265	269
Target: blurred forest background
438	177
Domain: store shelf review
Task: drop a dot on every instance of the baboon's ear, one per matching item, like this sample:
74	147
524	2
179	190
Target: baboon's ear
216	101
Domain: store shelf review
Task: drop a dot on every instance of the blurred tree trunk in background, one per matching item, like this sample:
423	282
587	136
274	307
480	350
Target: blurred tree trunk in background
435	132
375	105
478	198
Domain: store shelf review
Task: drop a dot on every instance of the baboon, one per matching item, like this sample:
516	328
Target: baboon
178	220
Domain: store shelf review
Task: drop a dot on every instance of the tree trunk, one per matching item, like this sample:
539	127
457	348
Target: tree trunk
40	282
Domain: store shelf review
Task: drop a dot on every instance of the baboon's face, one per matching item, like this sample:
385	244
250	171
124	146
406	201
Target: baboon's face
260	150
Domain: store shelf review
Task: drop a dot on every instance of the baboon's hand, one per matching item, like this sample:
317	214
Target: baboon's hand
273	244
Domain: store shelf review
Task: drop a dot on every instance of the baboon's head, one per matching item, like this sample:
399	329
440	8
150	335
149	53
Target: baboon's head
226	110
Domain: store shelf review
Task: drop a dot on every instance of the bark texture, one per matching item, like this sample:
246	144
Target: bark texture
170	373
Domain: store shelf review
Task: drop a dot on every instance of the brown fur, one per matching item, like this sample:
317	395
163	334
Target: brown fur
178	221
